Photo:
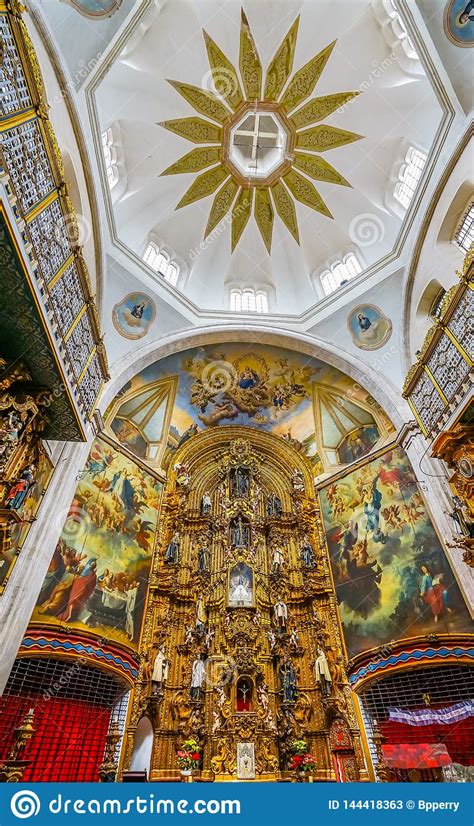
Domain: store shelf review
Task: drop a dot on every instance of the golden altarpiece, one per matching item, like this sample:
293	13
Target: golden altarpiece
242	619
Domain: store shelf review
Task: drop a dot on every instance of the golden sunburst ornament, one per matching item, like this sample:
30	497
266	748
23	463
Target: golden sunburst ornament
258	143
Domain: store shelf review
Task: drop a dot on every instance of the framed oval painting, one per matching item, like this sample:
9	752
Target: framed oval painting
369	327
133	315
95	8
459	22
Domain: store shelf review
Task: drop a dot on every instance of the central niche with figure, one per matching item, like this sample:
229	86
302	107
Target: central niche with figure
239	532
239	478
243	694
241	586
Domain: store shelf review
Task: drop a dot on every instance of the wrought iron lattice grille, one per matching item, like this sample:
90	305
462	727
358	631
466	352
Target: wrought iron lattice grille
438	687
74	705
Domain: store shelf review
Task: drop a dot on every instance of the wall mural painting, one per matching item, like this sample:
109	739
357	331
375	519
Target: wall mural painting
391	575
23	498
369	327
321	412
97	578
133	315
459	22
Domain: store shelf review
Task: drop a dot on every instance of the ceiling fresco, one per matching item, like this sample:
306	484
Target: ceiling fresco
320	411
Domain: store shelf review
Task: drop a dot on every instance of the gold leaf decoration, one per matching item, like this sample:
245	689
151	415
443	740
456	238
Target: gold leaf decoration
320	108
286	209
304	191
221	204
195	130
302	84
224	75
319	169
249	61
204	185
323	137
241	214
202	101
195	160
282	64
263	212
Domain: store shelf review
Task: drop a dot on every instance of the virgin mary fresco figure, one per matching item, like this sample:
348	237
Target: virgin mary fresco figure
241	586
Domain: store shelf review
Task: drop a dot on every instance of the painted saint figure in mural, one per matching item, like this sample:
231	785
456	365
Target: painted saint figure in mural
434	593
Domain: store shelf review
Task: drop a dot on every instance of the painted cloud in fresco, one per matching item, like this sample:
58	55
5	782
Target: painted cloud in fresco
391	575
321	412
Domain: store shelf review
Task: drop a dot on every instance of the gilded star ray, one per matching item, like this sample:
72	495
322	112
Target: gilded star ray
230	116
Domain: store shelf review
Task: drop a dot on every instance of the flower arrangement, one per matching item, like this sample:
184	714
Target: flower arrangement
189	755
301	760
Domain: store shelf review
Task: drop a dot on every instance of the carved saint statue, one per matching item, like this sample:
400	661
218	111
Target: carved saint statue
172	551
197	677
206	504
160	670
323	675
307	553
462	517
280	613
278	559
297	480
288	681
200	614
204	557
274	505
239	532
19	490
240	482
271	638
294	639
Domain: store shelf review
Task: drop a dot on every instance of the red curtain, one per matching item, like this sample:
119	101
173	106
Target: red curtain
458	737
69	739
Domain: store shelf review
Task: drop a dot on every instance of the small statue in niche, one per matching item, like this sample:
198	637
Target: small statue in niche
201	614
240	482
307	553
160	670
271	638
204	557
274	505
172	551
278	559
288	681
20	489
206	504
239	532
216	721
198	675
280	614
323	675
297	480
244	695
